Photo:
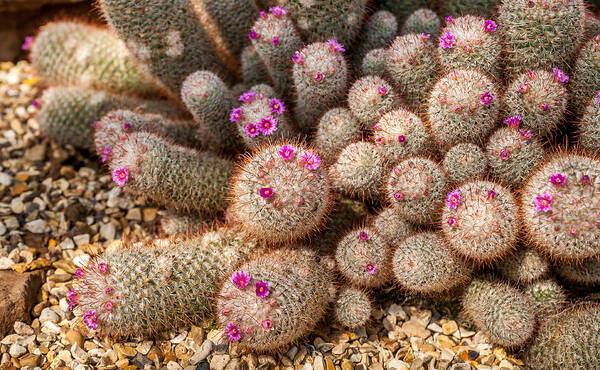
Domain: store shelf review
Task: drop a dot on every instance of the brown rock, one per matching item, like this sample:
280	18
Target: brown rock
73	336
18	188
17	296
29	360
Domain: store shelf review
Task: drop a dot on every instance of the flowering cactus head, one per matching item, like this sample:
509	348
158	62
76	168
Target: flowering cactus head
401	134
370	98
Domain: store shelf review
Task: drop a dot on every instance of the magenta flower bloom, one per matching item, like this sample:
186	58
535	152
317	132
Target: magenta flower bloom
236	114
447	40
267	324
505	154
382	90
262	289
513	121
486	98
27	44
79	273
233	332
364	236
370	268
311	159
252	35
286	152
262	14
267	125
449	19
72	297
108	306
90	320
276	106
451	221
490	25
491	194
275	41
543	203
544	107
95	124
398	196
558	179
401	139
120	175
247	97
524	87
298	58
319	77
240	279
598	97
35	104
103	268
251	130
585	179
336	46
105	154
278	11
526	134
108	290
453	199
560	75
265	192
425	36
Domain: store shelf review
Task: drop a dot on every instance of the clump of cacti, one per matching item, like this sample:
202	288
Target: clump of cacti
401	134
465	161
352	307
424	21
524	266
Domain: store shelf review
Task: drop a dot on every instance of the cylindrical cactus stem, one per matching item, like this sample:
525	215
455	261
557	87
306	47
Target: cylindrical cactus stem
585	272
262	117
346	214
483	8
352	307
470	42
548	298
480	221
143	290
280	193
392	227
403	9
588	128
416	188
167	37
379	31
374	63
337	128
412	64
274	299
525	266
560	204
569	340
586	76
424	264
422	20
210	101
179	178
254	71
463	162
463	107
502	312
370	98
359	171
539	98
275	39
320	77
540	33
172	223
78	54
364	258
401	134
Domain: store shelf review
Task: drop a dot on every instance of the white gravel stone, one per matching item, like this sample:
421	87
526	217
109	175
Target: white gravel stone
108	231
81	239
16	350
37	226
48	314
67	244
81	260
5	263
22	329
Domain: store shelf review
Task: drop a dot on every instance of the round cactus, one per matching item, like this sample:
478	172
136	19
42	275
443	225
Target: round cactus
424	21
463	107
585	272
274	299
374	63
370	98
586	75
459	7
561	207
592	25
588	128
359	170
524	266
416	189
401	134
352	308
379	30
503	313
513	154
412	64
391	226
539	98
320	78
547	296
423	264
254	71
570	340
337	128
363	258
470	42
480	220
280	193
465	161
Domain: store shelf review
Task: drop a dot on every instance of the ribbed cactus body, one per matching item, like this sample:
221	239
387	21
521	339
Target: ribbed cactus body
352	308
584	272
524	266
401	134
464	161
274	299
560	204
371	97
337	128
391	226
548	298
424	21
379	31
253	69
588	128
77	54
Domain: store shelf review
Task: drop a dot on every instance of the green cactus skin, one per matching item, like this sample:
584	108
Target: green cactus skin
588	128
320	20
423	264
416	188
524	266
586	272
364	258
475	46
374	63
513	154
280	193
463	162
391	226
586	76
179	178
424	21
320	77
346	214
480	221
540	33
352	308
78	54
562	220
412	64
144	290
539	99
503	313
371	97
548	298
275	39
483	8
167	37
68	113
463	107
172	223
337	128
404	8
254	71
401	134
300	289
569	340
359	171
210	101
379	31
